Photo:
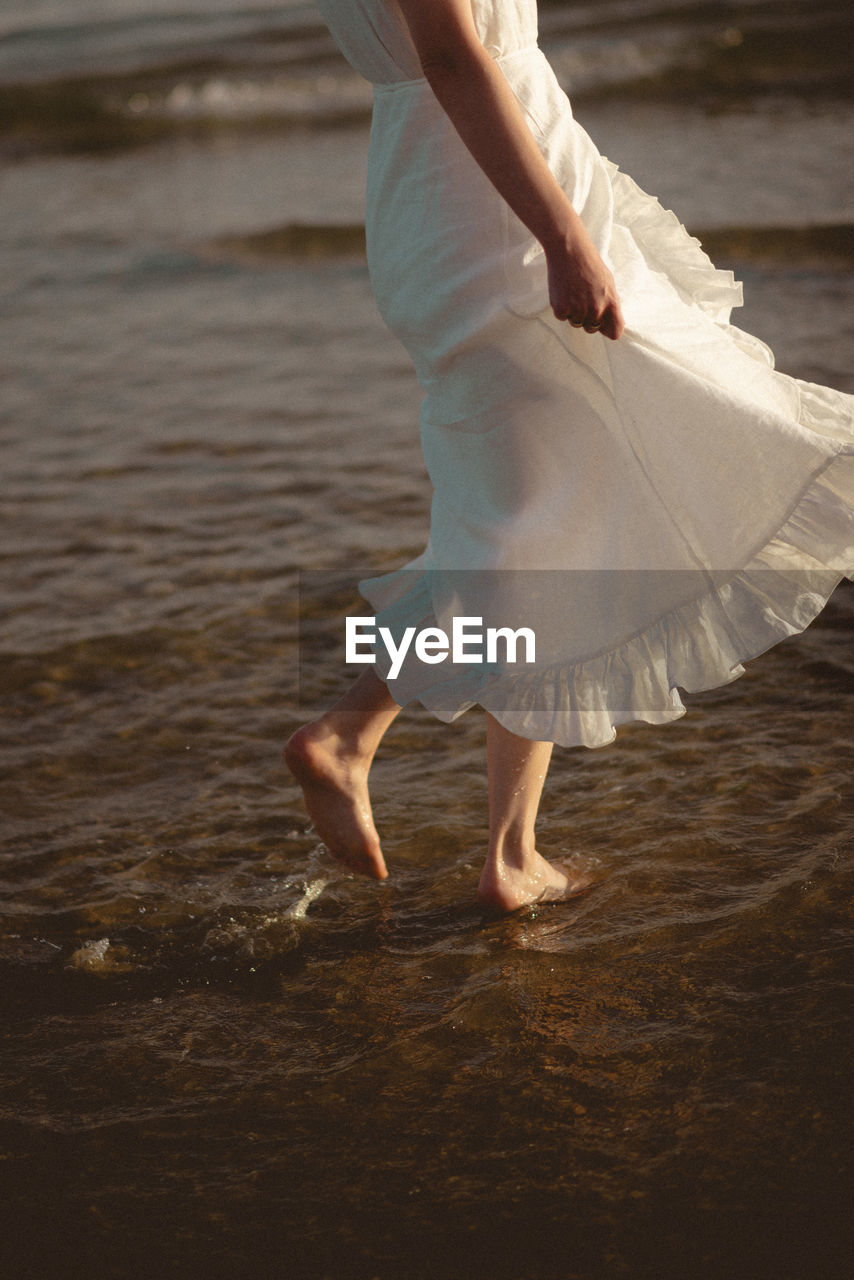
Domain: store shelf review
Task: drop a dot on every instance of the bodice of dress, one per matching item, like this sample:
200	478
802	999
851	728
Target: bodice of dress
375	40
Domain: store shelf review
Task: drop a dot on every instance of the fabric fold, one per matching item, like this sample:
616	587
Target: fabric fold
701	644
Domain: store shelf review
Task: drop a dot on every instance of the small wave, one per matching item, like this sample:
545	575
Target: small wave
695	51
295	240
311	891
101	956
97	86
286	99
111	113
32	51
823	247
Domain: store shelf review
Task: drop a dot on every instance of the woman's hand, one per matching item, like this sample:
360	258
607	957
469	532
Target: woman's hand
581	288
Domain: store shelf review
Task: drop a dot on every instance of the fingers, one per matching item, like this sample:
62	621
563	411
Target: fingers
609	322
585	297
589	323
613	323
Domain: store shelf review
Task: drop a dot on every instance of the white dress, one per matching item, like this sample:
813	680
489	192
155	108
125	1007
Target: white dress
657	509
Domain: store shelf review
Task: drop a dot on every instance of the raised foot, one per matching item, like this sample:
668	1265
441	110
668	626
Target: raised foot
506	888
334	784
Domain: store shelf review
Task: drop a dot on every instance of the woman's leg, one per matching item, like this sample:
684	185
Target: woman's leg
330	759
515	874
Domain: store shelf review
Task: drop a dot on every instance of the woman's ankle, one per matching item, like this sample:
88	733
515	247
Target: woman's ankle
516	849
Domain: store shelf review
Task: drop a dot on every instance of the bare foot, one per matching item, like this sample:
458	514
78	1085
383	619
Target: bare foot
335	787
505	887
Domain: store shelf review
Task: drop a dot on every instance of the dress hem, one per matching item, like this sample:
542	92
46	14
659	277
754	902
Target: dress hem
698	646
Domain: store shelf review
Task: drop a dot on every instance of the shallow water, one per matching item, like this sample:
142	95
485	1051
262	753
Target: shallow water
221	1055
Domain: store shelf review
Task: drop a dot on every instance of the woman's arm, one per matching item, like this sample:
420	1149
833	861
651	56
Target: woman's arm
484	111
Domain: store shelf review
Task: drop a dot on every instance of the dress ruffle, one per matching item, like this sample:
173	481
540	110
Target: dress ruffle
670	250
700	645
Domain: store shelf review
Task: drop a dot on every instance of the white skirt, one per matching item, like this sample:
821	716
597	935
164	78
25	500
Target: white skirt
655	510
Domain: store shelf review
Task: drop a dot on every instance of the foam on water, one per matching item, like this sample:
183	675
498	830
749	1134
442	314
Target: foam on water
136	74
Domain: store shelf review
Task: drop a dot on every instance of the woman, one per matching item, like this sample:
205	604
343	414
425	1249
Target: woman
613	463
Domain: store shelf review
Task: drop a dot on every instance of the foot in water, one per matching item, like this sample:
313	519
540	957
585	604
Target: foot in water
506	886
334	783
